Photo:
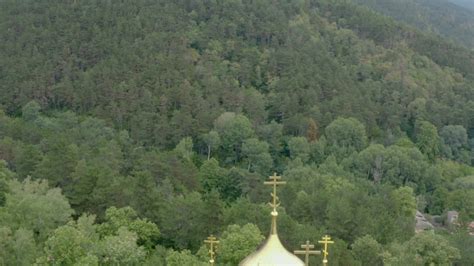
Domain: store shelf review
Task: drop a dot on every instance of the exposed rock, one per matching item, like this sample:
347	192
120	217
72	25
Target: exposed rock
421	223
452	217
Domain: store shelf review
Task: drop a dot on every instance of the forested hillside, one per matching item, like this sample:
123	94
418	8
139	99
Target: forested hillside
451	20
464	3
131	130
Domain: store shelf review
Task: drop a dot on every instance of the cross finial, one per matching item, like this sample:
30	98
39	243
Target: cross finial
326	240
274	182
211	240
307	251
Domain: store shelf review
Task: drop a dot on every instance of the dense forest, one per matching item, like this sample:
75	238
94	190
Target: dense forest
437	16
132	130
464	3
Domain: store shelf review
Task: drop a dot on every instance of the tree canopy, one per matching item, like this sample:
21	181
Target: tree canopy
132	130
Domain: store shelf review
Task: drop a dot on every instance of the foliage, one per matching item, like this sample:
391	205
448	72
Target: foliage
33	205
176	258
368	251
424	249
345	136
163	118
237	242
427	139
17	247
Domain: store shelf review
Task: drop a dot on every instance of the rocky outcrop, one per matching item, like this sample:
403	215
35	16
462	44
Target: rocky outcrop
422	224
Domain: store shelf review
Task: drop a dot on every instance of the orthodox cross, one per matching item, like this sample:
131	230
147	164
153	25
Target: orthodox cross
326	240
274	182
211	240
307	251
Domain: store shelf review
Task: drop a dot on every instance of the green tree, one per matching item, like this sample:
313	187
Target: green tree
121	239
184	149
59	162
427	249
175	258
427	139
31	111
257	155
464	242
32	205
405	201
233	130
146	231
237	242
5	175
368	251
272	133
121	248
17	247
212	140
454	139
345	136
72	242
26	160
212	176
187	230
312	133
299	148
369	163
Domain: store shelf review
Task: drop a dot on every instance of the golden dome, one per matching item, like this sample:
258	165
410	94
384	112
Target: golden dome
272	252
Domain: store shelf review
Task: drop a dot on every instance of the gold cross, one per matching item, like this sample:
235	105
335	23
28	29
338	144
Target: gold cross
274	182
326	241
211	240
307	251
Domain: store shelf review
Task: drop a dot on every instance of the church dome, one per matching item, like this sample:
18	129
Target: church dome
272	252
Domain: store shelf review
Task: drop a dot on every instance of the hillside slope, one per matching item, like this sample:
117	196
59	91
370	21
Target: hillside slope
437	16
284	62
464	3
134	129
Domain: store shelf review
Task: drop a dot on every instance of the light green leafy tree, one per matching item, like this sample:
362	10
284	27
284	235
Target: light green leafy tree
299	148
212	176
427	139
212	140
233	130
121	239
146	231
454	139
405	201
5	176
176	258
121	249
345	136
184	149
33	205
31	111
425	248
258	157
369	163
368	251
237	242
72	243
17	247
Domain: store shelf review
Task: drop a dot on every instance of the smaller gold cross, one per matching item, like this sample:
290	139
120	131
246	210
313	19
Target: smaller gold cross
211	240
326	240
307	251
274	182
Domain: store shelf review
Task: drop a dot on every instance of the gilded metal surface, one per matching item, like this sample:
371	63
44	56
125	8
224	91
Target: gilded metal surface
272	252
212	241
326	240
307	251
